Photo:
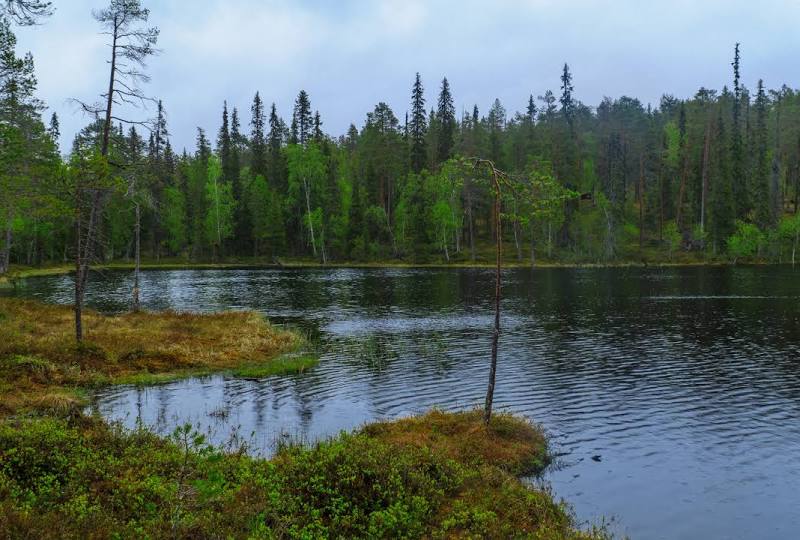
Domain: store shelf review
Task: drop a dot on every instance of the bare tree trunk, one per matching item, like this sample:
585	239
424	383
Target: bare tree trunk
471	225
487	413
322	246
682	190
310	222
641	204
661	202
78	264
137	256
5	261
391	234
533	246
704	186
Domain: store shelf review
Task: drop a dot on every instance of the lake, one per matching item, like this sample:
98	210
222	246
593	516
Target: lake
672	395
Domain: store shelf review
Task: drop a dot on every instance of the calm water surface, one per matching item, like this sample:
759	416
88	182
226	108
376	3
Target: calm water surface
671	395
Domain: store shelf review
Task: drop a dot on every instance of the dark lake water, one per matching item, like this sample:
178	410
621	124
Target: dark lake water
682	384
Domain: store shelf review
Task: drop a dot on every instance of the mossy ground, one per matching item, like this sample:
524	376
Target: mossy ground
81	478
66	475
41	365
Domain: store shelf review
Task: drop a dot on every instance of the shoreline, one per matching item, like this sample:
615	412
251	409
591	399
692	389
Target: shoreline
42	367
17	272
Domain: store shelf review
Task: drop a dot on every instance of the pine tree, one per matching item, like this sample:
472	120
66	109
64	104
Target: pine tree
446	116
417	127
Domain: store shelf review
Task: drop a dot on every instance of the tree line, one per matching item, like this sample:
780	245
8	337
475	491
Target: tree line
714	176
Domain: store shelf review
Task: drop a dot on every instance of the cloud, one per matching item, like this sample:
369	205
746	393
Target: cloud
350	54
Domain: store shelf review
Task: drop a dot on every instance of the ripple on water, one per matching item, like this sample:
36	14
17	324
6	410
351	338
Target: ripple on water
672	396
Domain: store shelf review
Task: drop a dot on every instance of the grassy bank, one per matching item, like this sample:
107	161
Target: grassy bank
435	476
41	367
66	475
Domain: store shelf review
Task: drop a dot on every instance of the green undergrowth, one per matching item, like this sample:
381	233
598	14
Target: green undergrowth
283	365
79	477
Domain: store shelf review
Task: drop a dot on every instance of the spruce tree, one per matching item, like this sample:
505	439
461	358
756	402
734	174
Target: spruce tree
722	202
446	116
496	121
761	183
229	163
224	145
258	149
567	103
276	177
302	120
530	111
417	127
317	127
54	130
237	144
737	168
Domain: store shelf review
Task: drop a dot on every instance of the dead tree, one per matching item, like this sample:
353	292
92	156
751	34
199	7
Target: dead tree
130	45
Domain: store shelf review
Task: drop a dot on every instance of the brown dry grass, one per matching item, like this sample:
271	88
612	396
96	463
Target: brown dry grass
41	366
508	442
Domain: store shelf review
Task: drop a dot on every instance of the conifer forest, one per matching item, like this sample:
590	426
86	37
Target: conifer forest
713	176
276	269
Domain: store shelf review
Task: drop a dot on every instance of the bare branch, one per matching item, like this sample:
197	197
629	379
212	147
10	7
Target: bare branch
26	12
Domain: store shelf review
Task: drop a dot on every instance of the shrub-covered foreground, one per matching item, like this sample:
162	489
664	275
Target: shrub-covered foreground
81	478
41	366
66	475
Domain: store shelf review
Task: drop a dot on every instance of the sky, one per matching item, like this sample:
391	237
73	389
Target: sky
351	54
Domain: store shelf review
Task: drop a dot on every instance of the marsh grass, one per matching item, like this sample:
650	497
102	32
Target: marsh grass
39	356
283	365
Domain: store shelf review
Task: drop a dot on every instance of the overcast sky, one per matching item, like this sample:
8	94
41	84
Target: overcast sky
351	54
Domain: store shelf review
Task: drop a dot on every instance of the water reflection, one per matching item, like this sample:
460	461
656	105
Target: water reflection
684	383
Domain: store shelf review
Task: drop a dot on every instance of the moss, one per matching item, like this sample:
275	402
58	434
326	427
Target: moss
509	442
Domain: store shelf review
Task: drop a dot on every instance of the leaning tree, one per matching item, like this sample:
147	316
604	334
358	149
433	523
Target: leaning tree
131	42
534	193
